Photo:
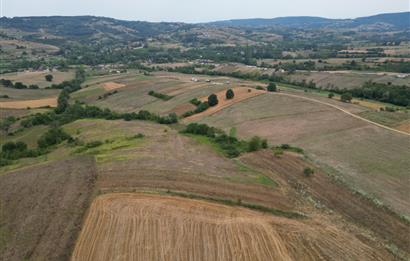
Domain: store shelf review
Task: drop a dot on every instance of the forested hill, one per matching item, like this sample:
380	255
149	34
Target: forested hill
394	20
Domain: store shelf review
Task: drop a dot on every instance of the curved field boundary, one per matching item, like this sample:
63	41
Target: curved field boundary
345	111
52	102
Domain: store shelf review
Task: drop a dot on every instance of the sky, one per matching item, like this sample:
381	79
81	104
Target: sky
201	10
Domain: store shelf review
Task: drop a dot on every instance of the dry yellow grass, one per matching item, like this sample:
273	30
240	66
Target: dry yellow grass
404	127
153	227
109	86
52	102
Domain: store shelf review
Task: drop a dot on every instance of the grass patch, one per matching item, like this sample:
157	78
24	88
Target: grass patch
239	203
206	141
264	180
104	148
391	119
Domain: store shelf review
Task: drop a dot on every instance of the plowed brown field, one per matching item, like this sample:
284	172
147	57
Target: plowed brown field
153	227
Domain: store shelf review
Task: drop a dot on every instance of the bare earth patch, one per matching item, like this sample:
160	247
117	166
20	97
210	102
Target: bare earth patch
52	102
109	86
241	94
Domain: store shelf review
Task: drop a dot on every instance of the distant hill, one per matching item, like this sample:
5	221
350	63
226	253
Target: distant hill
87	27
394	20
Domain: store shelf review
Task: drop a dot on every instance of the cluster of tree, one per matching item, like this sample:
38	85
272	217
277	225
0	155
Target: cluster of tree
77	111
203	106
17	85
6	123
67	88
17	150
229	145
52	137
394	94
160	95
106	95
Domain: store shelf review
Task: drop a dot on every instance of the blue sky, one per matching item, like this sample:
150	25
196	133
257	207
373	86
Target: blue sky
201	10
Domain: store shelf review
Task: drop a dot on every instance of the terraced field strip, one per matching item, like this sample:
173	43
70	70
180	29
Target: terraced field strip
52	102
345	111
131	226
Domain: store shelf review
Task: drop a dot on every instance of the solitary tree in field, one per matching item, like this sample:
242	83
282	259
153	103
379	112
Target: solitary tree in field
272	87
212	100
49	77
346	97
229	94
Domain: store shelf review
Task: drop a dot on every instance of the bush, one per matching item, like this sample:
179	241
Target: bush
260	88
346	97
331	95
52	137
272	87
213	100
255	144
229	94
202	107
160	95
195	102
49	77
308	172
93	144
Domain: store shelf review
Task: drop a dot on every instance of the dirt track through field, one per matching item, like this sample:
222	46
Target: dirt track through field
52	102
345	111
153	227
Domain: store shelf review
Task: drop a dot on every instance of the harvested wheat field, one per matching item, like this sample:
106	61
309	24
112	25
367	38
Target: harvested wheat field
109	86
154	227
241	94
52	102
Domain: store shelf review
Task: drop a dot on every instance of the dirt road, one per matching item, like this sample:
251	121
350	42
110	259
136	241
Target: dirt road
344	111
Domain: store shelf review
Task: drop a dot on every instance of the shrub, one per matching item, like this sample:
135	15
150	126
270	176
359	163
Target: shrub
202	107
49	77
346	97
331	95
33	86
389	109
255	144
213	100
160	95
195	102
52	137
229	94
308	172
93	144
260	88
271	87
